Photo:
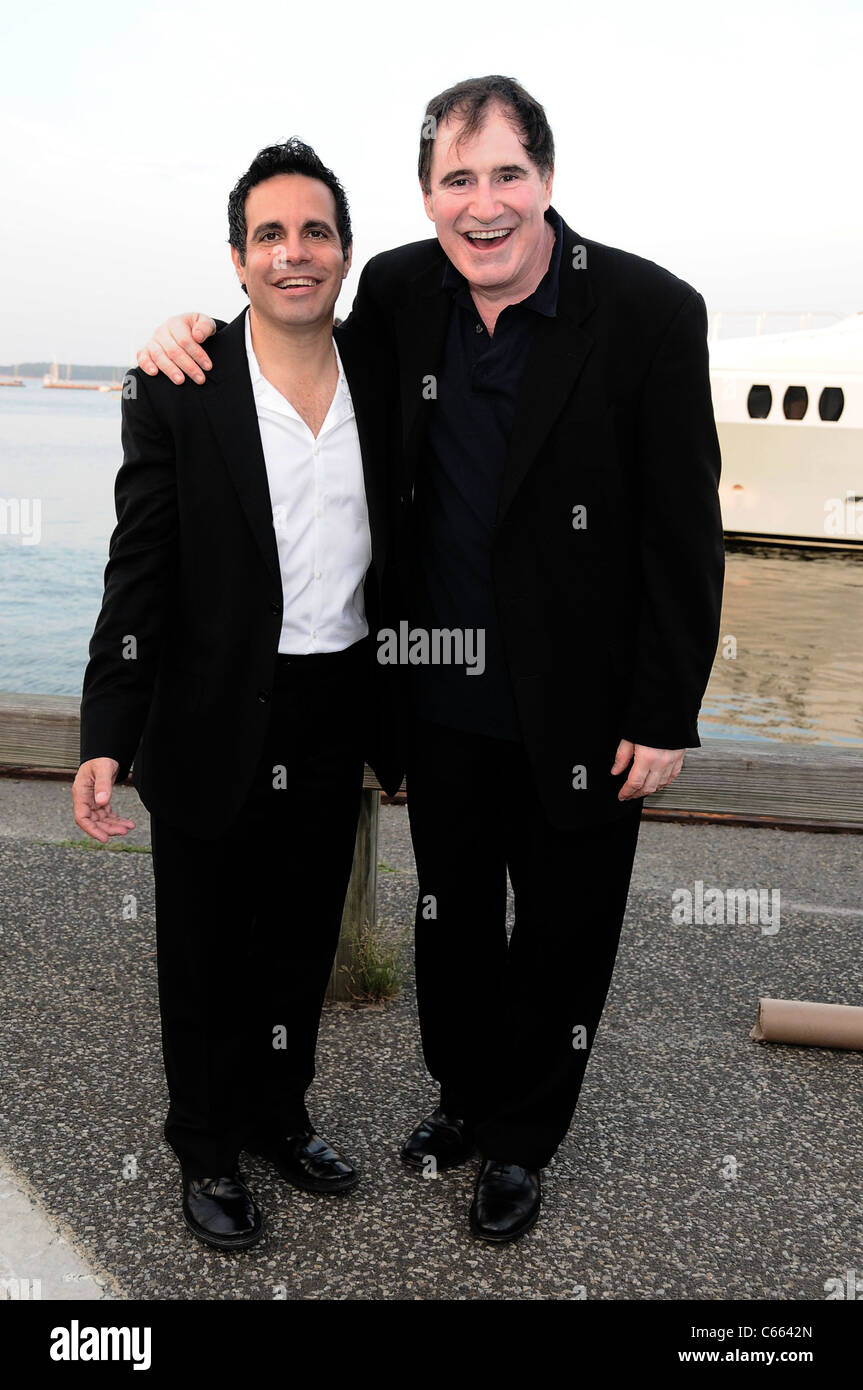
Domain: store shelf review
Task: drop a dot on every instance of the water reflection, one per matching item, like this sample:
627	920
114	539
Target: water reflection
797	620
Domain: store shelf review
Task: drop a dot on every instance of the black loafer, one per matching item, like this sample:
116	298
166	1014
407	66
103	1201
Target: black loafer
445	1138
222	1212
308	1161
506	1201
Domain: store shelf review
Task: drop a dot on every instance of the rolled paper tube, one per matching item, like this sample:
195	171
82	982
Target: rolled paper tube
813	1025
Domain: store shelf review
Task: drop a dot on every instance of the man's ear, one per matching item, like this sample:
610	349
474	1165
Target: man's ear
348	258
547	186
238	264
427	202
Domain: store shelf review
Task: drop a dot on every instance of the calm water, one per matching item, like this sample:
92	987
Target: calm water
796	619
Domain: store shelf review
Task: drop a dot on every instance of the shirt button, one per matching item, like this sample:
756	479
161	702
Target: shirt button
317	574
479	328
263	696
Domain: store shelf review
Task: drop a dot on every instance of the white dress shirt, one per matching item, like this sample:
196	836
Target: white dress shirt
320	516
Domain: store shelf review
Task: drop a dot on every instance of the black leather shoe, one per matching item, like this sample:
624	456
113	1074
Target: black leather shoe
506	1201
445	1138
309	1162
222	1212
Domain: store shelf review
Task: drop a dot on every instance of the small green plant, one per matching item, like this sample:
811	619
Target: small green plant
377	969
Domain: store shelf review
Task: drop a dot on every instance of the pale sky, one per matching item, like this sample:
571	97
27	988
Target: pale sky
719	139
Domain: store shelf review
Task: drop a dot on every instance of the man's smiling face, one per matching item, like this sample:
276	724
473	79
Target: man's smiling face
488	203
294	266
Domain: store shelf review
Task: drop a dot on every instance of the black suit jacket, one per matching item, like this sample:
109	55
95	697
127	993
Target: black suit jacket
610	628
193	589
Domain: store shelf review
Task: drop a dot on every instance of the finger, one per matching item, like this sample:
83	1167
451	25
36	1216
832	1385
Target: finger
632	787
146	363
106	819
622	756
116	827
92	829
102	788
203	327
184	353
182	336
164	363
102	829
651	786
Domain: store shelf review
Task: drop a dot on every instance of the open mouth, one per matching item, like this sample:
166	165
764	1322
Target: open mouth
296	284
488	240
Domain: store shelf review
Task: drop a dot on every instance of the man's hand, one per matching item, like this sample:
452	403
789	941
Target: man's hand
652	768
175	349
91	798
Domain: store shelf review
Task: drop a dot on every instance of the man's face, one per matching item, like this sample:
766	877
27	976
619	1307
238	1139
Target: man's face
294	264
489	184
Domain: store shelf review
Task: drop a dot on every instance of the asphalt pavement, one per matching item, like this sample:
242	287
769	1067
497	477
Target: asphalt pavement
700	1164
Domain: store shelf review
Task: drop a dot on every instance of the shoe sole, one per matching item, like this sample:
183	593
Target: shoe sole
226	1243
503	1240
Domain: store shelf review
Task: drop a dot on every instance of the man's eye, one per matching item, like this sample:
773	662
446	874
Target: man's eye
455	182
317	231
269	234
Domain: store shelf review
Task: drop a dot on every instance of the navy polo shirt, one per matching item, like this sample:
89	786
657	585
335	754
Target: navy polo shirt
456	497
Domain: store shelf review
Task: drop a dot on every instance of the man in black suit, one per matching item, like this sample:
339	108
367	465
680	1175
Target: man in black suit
559	493
233	644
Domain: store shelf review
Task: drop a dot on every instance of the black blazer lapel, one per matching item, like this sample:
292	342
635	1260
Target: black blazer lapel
369	411
558	352
421	328
230	404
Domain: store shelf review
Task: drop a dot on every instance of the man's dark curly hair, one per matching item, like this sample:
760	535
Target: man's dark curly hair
292	157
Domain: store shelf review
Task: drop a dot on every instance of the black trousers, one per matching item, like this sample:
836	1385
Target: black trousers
507	1026
247	924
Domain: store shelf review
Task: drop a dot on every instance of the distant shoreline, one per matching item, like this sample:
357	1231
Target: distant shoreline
36	370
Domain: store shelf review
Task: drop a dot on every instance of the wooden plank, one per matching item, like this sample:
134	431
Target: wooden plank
805	782
747	777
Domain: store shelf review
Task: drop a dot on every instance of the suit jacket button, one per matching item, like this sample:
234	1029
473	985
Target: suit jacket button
263	696
274	608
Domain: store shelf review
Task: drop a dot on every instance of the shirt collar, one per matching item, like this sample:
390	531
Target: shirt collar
259	381
544	297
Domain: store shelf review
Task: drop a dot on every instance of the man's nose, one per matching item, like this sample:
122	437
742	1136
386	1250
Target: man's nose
292	250
485	205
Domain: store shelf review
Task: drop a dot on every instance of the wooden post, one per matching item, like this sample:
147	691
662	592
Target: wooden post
360	902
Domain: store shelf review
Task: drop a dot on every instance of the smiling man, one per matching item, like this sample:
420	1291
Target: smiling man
559	491
233	643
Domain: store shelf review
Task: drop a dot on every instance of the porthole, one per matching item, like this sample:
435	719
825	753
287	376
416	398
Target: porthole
795	402
759	402
831	403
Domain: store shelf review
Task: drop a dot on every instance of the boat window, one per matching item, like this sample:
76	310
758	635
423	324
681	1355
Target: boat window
831	403
759	402
795	403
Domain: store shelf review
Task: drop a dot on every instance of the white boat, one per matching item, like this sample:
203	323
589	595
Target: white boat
789	414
